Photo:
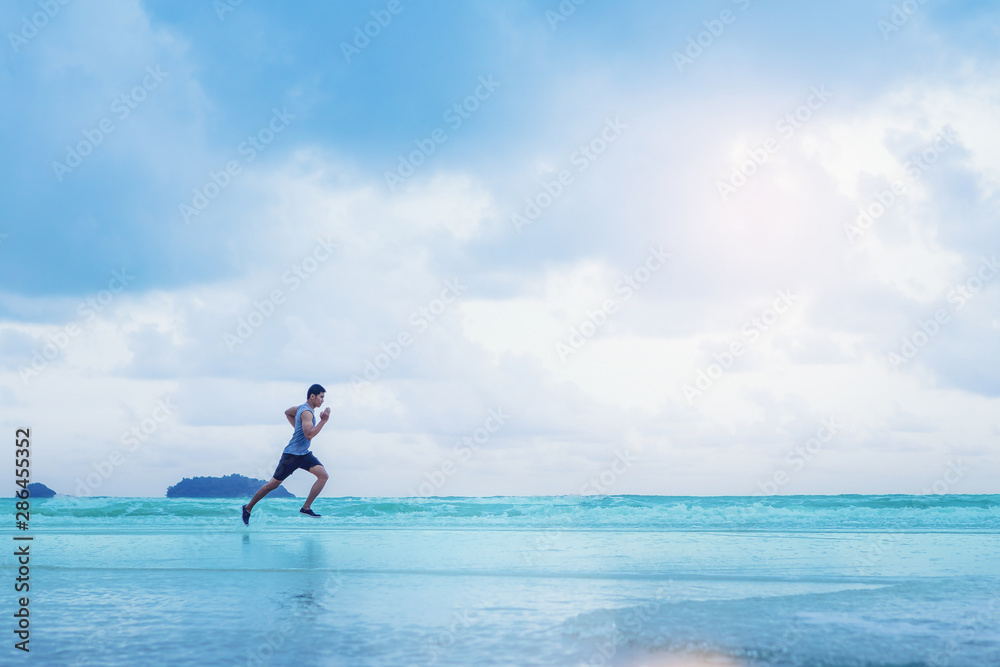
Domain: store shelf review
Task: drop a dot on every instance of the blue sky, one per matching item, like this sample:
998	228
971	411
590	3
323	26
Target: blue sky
183	85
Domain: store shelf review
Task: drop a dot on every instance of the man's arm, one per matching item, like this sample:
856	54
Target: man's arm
308	429
290	414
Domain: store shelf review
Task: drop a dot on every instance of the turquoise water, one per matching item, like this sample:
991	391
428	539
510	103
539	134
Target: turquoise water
650	580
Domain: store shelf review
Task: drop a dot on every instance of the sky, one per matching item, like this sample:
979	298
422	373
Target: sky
528	247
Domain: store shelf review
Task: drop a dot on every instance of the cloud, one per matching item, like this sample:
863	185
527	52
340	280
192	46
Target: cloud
422	309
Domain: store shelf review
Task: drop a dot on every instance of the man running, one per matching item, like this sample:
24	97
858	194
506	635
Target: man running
297	455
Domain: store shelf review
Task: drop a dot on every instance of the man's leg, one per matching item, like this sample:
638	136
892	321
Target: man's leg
317	486
263	491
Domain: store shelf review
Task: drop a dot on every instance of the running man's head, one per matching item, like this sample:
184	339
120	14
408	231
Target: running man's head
315	395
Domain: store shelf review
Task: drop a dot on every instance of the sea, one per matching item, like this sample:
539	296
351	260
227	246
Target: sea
819	581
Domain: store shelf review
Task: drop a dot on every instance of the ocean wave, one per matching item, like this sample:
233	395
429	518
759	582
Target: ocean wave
638	513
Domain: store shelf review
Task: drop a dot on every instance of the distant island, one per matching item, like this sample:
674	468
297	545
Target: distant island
39	490
230	486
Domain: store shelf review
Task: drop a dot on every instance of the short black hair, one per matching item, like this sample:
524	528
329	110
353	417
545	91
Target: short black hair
315	389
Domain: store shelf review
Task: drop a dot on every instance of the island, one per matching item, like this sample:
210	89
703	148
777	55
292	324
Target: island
230	486
39	490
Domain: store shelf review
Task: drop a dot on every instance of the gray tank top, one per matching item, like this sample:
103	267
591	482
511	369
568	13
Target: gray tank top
299	444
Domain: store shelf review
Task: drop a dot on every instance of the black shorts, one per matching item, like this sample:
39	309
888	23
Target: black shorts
289	463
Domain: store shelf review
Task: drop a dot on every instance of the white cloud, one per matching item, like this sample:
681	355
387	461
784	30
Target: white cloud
496	344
